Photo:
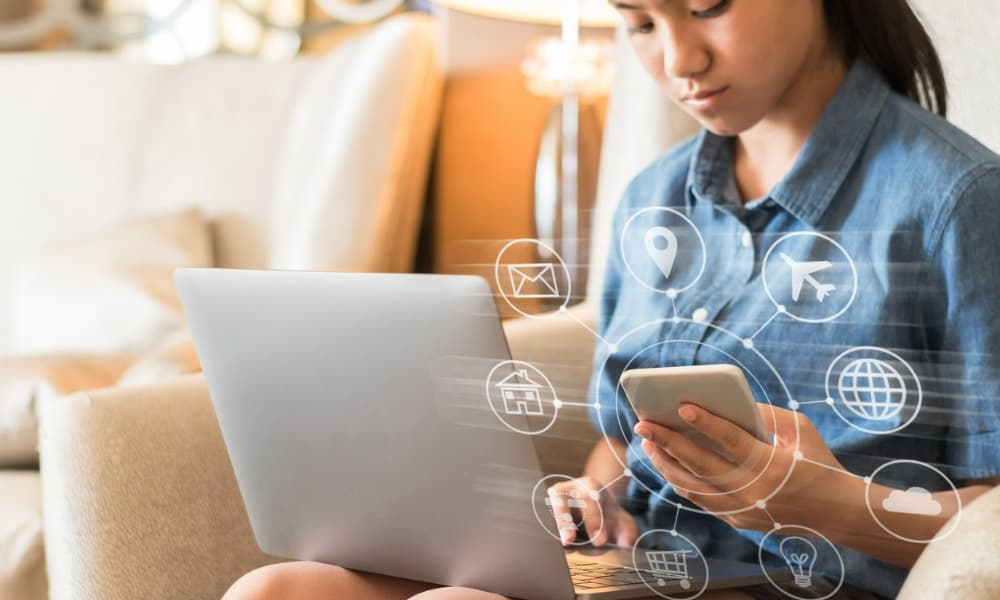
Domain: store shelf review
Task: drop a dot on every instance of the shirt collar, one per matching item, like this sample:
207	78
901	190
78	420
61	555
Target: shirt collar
832	149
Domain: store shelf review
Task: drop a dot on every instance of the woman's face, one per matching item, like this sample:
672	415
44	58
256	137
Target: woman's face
729	63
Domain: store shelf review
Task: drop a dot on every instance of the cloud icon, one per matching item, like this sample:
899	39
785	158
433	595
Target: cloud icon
914	501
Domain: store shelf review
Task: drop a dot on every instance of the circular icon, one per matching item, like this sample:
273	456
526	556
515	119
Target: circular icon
809	277
525	279
913	500
876	391
672	256
679	567
708	353
799	550
521	396
551	503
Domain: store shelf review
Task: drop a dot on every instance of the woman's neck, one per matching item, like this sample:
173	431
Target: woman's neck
765	153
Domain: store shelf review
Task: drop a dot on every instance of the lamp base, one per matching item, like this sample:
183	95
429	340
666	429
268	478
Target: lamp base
570	237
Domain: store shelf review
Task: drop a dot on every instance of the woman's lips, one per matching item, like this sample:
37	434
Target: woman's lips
705	100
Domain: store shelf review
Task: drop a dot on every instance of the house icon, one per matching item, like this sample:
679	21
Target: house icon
520	394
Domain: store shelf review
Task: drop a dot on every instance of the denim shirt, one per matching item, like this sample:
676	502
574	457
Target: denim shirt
891	206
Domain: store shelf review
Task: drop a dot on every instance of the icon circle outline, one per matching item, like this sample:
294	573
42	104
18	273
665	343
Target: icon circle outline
941	533
548	384
566	297
815	535
671	291
701	555
783	308
875	349
534	508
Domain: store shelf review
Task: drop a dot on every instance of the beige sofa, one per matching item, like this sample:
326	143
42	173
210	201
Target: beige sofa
318	163
140	499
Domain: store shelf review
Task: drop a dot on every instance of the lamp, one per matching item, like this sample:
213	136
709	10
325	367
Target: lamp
572	72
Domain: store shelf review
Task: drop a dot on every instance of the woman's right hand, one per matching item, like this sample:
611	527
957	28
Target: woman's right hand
603	517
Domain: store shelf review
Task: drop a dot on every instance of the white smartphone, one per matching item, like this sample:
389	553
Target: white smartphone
656	394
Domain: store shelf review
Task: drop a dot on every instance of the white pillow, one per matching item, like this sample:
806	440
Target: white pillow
111	292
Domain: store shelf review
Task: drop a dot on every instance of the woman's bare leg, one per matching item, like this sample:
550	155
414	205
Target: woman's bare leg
310	580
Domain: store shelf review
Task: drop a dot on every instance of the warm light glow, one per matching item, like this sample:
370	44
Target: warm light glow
552	71
593	13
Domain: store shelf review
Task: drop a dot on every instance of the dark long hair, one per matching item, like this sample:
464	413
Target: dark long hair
890	36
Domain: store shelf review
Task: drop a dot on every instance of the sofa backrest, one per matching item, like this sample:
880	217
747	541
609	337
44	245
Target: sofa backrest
642	123
316	163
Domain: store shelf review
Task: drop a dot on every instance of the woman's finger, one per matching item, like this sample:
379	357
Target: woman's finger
677	474
701	461
558	501
588	503
730	437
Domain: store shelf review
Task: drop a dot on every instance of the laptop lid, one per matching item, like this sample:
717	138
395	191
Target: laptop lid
353	407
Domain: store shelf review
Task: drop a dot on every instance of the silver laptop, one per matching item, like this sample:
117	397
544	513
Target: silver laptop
354	410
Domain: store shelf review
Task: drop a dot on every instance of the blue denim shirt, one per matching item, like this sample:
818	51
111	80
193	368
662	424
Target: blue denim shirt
901	204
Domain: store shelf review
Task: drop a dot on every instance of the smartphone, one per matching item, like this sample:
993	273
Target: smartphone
656	394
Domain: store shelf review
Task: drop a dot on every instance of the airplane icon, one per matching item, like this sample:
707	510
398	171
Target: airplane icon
803	271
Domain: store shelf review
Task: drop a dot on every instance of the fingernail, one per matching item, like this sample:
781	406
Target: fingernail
687	413
642	431
565	536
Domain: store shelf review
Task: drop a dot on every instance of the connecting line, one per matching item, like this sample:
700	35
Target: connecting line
803	403
613	481
580	404
826	466
673	302
763	507
587	327
764	326
677	516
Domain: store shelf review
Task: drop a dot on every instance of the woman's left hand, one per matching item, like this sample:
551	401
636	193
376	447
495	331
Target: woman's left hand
797	481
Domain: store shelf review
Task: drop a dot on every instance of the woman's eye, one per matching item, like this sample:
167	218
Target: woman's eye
714	11
644	28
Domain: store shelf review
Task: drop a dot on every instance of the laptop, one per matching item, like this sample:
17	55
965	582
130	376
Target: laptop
354	410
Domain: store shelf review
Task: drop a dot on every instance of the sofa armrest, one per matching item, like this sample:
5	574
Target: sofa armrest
563	349
140	498
964	564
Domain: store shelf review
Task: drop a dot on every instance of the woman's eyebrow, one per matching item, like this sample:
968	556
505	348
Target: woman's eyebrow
623	6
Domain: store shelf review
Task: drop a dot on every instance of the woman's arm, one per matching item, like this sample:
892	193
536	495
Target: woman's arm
802	480
857	529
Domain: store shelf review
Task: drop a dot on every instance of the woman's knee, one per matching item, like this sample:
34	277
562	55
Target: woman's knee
282	580
456	593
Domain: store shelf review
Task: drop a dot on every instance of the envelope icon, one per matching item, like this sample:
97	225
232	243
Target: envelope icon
533	280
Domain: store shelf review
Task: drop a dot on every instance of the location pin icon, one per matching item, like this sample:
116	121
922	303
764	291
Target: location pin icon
661	245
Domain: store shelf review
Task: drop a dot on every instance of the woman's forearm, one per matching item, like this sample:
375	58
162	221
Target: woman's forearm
859	530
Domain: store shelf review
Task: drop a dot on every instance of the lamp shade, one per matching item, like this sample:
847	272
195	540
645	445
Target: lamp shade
593	13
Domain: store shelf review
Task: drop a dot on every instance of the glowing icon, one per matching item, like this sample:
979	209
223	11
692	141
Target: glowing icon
914	501
800	556
564	519
872	389
661	245
533	280
520	394
802	272
669	565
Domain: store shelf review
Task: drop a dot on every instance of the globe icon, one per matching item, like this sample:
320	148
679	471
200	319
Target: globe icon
872	389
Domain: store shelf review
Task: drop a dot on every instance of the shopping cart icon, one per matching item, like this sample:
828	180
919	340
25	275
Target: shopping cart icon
669	565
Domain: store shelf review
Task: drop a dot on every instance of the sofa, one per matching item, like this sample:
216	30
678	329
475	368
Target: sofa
114	173
139	496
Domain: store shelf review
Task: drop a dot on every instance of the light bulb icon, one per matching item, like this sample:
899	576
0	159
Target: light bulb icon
800	555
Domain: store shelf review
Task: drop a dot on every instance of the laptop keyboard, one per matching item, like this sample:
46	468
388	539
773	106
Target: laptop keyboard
588	575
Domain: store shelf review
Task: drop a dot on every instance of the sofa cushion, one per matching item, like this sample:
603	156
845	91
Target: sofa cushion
140	497
26	382
111	291
22	557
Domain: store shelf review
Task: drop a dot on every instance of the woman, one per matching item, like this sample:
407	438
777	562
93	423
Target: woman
813	138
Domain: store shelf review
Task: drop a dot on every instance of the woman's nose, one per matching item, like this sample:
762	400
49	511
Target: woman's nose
684	54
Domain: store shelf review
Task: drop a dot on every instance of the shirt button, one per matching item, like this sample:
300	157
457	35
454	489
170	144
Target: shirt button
746	239
770	204
699	315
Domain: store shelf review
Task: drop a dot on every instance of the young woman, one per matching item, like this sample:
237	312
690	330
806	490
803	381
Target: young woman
815	138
